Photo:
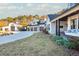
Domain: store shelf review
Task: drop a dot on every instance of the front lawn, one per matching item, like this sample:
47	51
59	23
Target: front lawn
39	44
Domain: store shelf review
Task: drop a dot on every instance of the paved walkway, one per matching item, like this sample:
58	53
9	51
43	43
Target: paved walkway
14	37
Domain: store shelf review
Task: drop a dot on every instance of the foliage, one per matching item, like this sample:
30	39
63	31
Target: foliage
15	19
3	23
10	19
65	42
24	22
36	16
30	17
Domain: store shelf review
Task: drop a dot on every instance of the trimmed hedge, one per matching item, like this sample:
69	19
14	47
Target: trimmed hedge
64	42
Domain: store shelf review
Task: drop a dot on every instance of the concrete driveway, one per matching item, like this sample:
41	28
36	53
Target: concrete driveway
14	37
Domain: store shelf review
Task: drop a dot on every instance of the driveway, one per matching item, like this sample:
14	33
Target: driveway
14	37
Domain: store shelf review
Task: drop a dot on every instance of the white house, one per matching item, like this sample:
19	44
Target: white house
36	25
11	27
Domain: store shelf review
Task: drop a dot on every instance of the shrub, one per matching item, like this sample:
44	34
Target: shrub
65	42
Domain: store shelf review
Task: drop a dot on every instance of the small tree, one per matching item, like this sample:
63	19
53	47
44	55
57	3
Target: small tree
10	19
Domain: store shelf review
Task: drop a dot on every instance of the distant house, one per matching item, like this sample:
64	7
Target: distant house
36	25
2	24
34	21
10	27
6	26
67	22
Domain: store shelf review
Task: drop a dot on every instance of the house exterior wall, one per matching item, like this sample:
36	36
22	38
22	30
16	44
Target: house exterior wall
48	25
63	24
33	28
40	27
53	28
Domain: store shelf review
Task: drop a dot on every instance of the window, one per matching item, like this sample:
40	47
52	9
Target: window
35	29
73	24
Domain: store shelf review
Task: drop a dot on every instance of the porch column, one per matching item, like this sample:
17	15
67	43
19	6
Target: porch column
58	27
69	25
77	23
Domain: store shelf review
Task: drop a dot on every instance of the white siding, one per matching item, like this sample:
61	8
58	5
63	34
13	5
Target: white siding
64	24
53	28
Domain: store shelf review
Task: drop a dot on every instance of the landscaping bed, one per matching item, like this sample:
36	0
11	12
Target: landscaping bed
67	42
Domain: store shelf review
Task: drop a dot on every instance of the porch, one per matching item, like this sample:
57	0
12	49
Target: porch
68	22
68	25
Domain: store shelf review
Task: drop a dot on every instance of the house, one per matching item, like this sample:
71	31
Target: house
3	23
36	25
49	18
34	21
67	22
10	27
6	26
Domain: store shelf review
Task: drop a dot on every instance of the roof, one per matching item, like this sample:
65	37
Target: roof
67	12
52	16
70	8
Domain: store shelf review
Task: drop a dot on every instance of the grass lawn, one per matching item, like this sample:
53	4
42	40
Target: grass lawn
39	44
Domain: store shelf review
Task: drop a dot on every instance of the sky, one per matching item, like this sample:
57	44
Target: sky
18	9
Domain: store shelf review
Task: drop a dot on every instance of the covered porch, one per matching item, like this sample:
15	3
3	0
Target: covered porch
68	25
68	22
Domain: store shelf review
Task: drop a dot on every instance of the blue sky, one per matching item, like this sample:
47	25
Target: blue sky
17	9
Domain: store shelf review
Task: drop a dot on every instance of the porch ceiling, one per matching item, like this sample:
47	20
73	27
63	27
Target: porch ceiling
72	11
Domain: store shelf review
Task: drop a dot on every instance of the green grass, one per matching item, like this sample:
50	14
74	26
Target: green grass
39	44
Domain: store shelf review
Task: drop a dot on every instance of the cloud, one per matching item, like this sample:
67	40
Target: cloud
10	9
29	4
